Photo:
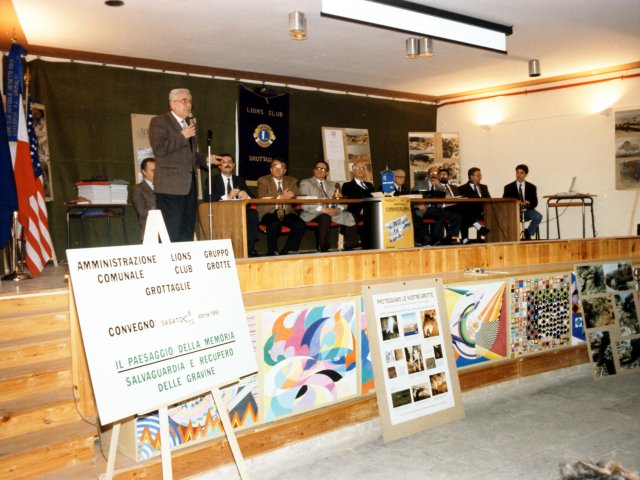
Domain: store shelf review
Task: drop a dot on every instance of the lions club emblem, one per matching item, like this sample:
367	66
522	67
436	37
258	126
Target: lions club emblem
264	136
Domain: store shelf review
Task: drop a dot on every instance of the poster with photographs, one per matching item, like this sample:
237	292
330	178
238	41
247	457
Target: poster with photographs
627	138
609	302
417	385
40	126
428	149
342	148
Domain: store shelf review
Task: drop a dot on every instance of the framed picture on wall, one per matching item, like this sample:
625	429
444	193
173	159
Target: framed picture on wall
627	141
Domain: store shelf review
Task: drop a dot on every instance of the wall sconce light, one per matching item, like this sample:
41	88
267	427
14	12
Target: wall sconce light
297	26
534	68
114	3
486	128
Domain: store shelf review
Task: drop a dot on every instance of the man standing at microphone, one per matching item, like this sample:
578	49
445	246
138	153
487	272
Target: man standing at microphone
173	140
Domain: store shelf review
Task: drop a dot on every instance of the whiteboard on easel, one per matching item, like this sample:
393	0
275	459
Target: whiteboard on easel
160	323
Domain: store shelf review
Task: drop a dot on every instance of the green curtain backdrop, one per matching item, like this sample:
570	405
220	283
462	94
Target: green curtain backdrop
89	111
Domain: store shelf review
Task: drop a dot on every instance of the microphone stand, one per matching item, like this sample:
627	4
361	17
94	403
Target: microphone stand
210	195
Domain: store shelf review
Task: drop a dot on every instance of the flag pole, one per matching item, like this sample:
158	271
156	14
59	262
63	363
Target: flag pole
15	275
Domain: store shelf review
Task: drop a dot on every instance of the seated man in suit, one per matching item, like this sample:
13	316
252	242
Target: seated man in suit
473	214
142	194
446	220
228	186
400	182
324	214
358	187
274	216
527	193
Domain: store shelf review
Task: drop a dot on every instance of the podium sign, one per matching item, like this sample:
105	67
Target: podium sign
397	226
160	323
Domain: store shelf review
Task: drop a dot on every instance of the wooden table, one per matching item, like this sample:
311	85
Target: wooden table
502	216
571	200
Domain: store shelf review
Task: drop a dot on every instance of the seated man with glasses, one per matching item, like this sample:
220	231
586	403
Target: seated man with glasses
274	216
358	187
324	213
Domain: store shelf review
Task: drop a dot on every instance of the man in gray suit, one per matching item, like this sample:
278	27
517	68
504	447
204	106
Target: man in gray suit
324	214
173	139
142	194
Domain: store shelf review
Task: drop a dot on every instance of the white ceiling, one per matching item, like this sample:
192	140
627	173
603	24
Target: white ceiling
567	36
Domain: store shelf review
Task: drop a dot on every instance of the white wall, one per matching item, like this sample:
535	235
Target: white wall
558	134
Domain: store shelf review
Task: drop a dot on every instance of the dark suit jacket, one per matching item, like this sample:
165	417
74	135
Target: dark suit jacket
175	160
466	191
530	193
267	188
219	187
144	199
352	190
404	190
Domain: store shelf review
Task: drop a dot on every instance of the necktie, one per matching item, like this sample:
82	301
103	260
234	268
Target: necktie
362	184
280	207
228	186
520	193
449	190
477	189
324	192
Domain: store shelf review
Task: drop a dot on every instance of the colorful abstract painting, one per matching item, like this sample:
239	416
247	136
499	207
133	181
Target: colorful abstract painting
198	419
540	313
308	356
478	322
366	366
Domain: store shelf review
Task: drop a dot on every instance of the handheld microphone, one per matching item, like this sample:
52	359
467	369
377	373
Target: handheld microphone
209	137
190	119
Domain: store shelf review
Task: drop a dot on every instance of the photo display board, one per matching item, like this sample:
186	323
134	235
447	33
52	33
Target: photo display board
416	380
160	323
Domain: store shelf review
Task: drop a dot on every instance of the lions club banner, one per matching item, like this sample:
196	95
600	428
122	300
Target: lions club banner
263	126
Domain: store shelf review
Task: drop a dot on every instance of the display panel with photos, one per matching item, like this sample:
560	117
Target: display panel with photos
428	149
609	301
416	381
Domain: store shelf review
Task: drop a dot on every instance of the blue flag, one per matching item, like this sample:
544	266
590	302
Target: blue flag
8	196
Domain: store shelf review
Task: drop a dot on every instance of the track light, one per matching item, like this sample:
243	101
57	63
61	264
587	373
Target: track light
297	26
413	47
426	47
534	68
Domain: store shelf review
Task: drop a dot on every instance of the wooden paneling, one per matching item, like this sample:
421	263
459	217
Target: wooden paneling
322	269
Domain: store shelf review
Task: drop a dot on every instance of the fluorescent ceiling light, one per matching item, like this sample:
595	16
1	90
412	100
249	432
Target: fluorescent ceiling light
418	19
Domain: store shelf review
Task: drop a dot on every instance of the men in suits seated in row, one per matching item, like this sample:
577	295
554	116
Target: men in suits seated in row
142	194
323	213
527	193
273	216
447	221
474	214
228	186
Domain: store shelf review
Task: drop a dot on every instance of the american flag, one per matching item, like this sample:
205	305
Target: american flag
32	209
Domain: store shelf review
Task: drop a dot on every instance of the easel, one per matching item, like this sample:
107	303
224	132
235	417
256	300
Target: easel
156	232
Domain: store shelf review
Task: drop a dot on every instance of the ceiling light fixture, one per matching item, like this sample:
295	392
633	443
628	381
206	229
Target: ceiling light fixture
297	26
534	68
413	18
413	47
426	47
